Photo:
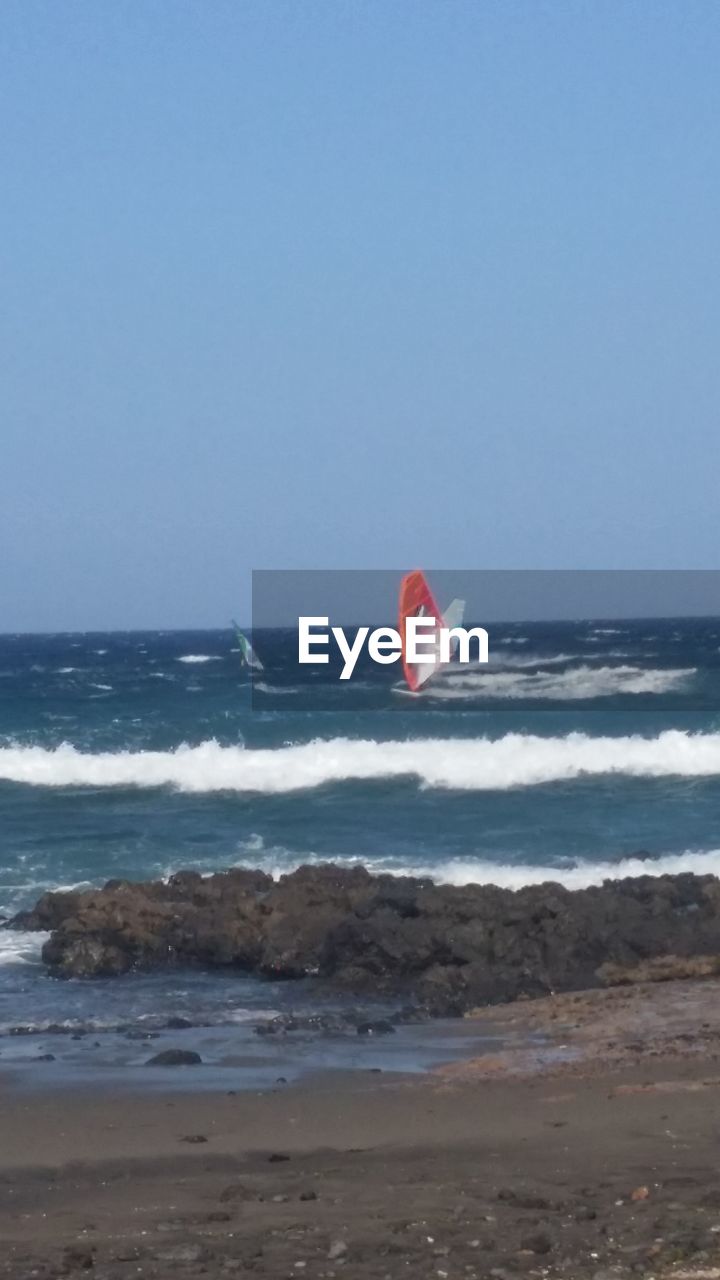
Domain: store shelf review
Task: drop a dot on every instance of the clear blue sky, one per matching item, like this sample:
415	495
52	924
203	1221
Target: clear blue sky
300	284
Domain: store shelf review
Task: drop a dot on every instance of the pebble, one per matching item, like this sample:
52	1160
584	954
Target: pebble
78	1258
538	1242
184	1253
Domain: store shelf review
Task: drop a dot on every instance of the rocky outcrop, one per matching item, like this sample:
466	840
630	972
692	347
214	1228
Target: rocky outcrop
449	948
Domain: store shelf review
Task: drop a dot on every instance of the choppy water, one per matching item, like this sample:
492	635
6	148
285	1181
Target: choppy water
135	754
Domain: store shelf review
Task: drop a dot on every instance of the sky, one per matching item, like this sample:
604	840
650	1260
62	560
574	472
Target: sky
320	284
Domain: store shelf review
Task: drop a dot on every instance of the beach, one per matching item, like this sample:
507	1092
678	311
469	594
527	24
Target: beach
595	1158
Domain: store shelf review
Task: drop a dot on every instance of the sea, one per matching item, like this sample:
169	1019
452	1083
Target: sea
583	751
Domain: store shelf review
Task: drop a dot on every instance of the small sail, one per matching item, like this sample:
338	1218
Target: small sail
453	616
248	656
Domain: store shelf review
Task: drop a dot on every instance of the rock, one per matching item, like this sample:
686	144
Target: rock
308	1195
448	949
175	1058
85	957
640	1193
585	1214
660	969
538	1242
78	1258
277	1157
194	1138
337	1250
523	1200
237	1191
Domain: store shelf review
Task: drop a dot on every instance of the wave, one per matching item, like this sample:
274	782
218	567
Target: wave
200	657
531	660
19	947
578	684
473	764
580	874
260	686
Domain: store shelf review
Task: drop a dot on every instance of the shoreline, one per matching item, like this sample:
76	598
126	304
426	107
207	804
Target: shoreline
602	1165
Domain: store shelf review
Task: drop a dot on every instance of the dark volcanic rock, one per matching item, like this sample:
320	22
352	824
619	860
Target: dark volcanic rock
175	1058
448	948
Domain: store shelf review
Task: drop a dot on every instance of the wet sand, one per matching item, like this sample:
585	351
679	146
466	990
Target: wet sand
595	1157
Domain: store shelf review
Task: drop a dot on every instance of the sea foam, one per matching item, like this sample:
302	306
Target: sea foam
472	764
576	684
20	947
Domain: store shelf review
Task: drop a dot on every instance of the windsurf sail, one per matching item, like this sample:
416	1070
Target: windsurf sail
248	656
418	601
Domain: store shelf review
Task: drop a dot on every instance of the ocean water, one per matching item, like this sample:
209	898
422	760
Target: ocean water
584	750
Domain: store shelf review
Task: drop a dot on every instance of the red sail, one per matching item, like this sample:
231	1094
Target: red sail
416	599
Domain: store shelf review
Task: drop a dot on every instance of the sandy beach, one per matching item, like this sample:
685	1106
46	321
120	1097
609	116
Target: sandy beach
593	1157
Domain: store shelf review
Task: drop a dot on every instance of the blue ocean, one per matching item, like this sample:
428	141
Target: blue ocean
583	750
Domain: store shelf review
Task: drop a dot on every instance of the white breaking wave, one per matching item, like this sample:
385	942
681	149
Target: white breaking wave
581	876
199	657
474	764
19	947
463	871
565	686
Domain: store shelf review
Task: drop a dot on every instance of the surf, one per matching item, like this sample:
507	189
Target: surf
460	764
